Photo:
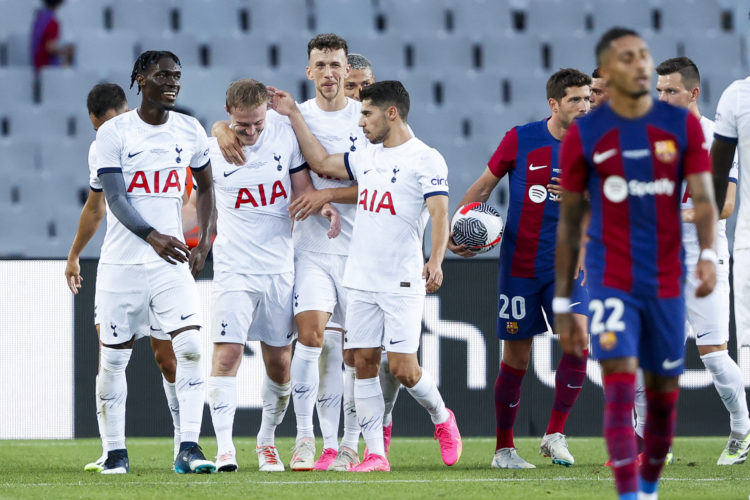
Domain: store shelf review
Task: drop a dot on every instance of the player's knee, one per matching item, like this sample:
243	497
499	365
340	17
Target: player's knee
406	374
187	346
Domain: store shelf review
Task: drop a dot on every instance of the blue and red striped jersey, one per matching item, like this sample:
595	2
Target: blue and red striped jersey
633	170
528	154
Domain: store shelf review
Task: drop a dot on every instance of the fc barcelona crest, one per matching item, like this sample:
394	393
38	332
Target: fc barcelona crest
511	327
608	340
665	151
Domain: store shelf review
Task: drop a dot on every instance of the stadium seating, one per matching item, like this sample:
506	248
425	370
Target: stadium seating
473	68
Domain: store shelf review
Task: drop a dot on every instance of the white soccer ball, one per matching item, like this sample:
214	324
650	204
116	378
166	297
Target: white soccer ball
478	226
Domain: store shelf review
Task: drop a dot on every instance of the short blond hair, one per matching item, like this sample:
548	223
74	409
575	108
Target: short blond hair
246	94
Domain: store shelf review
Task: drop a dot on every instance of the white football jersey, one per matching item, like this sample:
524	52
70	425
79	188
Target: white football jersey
153	160
733	116
386	249
338	132
254	229
94	182
689	232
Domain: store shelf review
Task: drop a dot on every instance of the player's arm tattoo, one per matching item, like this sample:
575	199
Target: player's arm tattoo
205	204
573	207
722	155
706	215
113	185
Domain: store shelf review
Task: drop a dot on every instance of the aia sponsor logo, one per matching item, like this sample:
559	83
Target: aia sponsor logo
155	182
375	202
261	195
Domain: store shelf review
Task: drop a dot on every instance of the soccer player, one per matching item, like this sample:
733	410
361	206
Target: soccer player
528	154
320	298
145	268
631	155
384	274
730	135
254	266
360	75
105	101
599	93
679	84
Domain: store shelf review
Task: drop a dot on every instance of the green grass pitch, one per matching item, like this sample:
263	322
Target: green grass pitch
54	469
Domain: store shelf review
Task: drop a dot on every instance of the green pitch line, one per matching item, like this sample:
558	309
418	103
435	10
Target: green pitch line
54	469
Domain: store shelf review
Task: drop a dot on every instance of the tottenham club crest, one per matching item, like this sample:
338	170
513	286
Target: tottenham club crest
353	139
395	171
178	150
278	161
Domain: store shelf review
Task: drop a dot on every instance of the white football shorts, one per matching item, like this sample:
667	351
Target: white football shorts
376	319
253	307
741	278
317	286
709	315
138	300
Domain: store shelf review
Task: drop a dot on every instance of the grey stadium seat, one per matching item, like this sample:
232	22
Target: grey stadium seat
431	52
690	16
76	15
483	17
520	54
622	13
16	85
244	52
561	18
33	122
184	45
17	16
145	16
346	18
207	18
105	50
67	87
420	18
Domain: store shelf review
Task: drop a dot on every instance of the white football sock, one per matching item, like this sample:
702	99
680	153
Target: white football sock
390	385
640	404
99	419
222	401
174	408
189	383
304	375
275	401
351	426
370	407
331	388
728	381
112	394
427	394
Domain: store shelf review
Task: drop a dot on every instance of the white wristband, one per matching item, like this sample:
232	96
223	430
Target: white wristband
561	305
708	254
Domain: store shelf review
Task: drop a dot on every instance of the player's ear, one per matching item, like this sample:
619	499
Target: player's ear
695	93
553	104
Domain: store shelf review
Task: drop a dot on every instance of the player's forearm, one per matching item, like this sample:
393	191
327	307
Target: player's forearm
88	224
722	155
220	128
440	231
568	246
705	222
312	150
206	216
731	197
347	195
114	190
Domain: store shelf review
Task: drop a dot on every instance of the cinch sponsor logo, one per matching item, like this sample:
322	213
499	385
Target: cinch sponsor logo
439	181
245	195
616	189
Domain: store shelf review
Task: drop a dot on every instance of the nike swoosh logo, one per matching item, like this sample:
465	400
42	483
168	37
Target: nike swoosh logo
537	167
397	342
575	304
606	155
130	155
365	172
668	364
575	386
702	335
289	335
227	174
183	318
513	405
154	329
192	384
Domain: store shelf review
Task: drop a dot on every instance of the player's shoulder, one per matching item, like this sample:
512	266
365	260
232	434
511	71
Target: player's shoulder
121	122
423	151
181	119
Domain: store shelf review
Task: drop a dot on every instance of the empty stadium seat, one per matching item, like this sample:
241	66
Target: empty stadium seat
105	50
386	53
145	16
455	52
207	18
18	48
520	54
273	18
37	122
561	18
244	52
346	18
483	17
622	13
571	52
18	16
67	87
18	83
416	18
184	45
689	16
77	15
203	88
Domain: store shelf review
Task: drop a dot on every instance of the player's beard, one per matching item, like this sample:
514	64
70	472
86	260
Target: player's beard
638	93
379	138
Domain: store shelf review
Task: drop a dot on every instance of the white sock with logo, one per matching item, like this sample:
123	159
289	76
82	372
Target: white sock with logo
640	404
369	398
391	386
331	388
351	426
189	383
112	394
304	375
427	394
728	381
222	401
174	408
275	402
99	417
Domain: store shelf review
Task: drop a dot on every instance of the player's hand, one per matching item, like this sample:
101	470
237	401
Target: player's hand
334	217
307	204
573	339
459	250
230	145
169	248
197	259
705	271
581	265
555	189
688	215
281	102
73	275
433	273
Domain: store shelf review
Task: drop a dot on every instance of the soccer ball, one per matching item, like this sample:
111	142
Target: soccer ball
479	226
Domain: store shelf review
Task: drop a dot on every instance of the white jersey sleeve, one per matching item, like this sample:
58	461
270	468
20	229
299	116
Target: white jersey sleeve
94	182
200	158
109	145
433	174
725	122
